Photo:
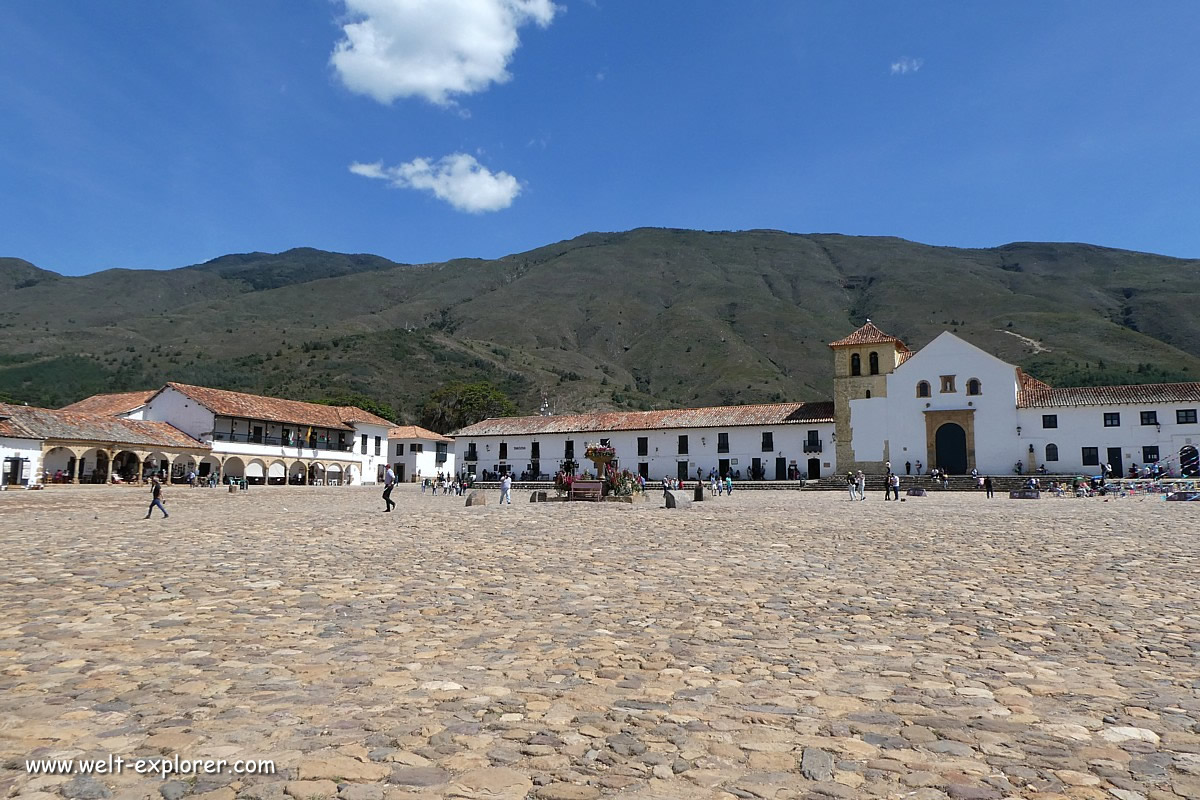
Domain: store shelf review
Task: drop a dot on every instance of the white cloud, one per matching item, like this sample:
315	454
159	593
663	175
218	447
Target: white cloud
435	50
905	65
458	179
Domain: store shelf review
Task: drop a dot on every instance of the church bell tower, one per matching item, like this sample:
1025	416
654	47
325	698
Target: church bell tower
861	363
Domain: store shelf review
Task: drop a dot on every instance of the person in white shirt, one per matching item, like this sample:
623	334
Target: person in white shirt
506	490
389	483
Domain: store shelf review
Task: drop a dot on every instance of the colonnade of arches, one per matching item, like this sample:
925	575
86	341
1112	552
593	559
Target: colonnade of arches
70	463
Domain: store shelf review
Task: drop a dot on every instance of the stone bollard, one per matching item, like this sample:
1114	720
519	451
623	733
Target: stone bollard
699	495
476	498
676	499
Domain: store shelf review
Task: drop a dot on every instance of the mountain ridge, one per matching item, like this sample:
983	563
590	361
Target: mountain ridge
625	320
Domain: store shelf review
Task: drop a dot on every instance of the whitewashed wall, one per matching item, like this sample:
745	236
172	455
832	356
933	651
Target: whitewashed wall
372	464
181	411
423	463
745	444
1083	426
994	409
21	448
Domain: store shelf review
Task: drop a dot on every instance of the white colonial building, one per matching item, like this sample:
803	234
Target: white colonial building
419	453
955	407
181	429
950	406
770	442
275	441
43	445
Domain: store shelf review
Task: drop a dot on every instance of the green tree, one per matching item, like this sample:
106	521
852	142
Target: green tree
459	404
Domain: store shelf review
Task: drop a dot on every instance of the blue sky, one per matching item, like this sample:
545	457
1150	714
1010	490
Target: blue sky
150	134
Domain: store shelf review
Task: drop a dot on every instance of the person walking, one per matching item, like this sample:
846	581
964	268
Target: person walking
860	485
851	484
987	485
506	489
389	483
894	485
156	499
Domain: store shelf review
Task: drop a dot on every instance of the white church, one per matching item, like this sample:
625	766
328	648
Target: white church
949	405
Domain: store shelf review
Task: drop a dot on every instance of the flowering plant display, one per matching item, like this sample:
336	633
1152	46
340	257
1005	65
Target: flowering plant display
599	452
622	483
562	482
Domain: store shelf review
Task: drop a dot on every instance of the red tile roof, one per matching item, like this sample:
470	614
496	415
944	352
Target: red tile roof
713	417
112	404
416	432
1036	394
30	422
274	409
868	334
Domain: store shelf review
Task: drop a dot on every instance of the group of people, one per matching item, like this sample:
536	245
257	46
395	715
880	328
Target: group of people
718	485
446	484
856	482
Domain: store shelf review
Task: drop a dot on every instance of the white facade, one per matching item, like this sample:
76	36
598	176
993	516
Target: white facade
657	453
20	461
953	383
414	457
265	451
1123	445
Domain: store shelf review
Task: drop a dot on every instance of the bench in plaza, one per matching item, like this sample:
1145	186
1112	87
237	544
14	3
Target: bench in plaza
587	490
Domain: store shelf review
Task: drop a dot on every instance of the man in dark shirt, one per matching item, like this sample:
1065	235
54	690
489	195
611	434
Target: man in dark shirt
156	499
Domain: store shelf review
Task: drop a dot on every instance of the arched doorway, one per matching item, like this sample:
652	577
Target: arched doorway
1189	462
950	446
333	475
93	466
233	468
298	474
256	472
210	466
277	473
59	465
814	469
127	466
155	464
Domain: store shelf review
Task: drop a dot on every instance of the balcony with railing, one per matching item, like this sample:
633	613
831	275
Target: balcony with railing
283	441
812	446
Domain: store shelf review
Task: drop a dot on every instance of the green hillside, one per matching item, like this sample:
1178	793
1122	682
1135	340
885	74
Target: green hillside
647	318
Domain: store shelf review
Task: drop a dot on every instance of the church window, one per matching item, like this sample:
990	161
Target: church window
856	364
873	363
974	386
948	384
1052	452
923	389
868	394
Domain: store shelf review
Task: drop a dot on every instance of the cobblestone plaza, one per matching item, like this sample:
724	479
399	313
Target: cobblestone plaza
767	645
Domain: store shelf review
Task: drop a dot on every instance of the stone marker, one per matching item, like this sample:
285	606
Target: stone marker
917	493
699	495
476	498
537	497
1025	494
676	499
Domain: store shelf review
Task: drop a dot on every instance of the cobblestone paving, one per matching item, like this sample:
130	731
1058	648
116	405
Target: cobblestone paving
772	645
